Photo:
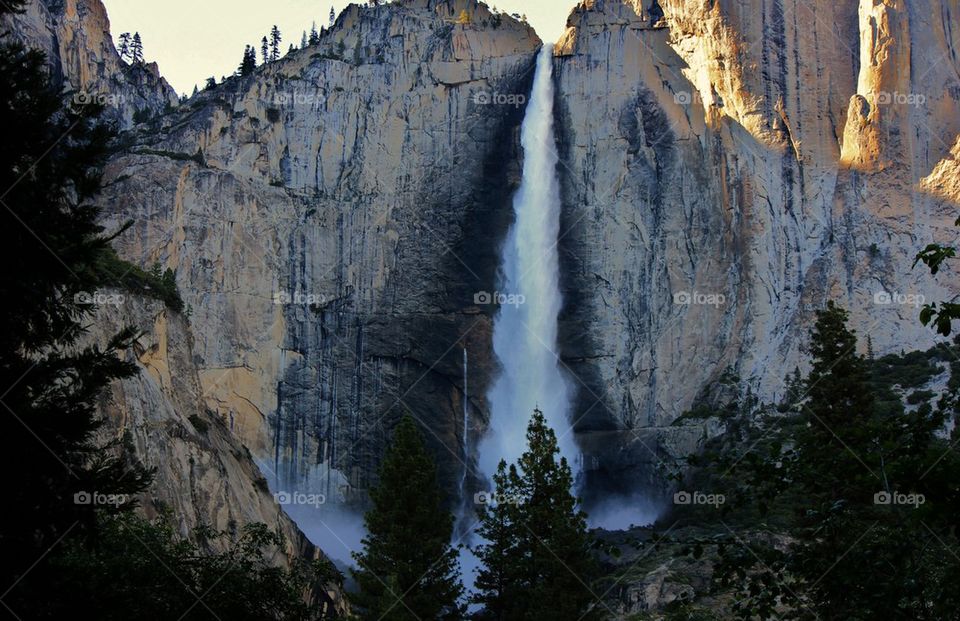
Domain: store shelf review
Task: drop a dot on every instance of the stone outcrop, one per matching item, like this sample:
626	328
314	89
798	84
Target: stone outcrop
330	219
204	475
75	36
727	168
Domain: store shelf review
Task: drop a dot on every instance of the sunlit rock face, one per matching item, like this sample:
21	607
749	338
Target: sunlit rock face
725	167
728	167
204	475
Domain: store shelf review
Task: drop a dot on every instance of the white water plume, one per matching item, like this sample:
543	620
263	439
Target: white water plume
525	334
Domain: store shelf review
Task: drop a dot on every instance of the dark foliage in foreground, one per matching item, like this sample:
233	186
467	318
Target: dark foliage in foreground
845	508
70	543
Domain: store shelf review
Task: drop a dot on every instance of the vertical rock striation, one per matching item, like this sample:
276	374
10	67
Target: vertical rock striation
330	219
728	167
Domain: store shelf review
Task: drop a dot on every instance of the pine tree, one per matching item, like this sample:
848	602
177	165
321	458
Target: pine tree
333	17
314	37
794	392
839	406
837	465
870	354
537	563
275	43
124	49
408	569
51	381
136	49
303	40
265	50
249	62
211	83
498	582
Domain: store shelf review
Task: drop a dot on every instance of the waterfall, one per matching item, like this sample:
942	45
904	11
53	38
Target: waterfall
525	328
466	429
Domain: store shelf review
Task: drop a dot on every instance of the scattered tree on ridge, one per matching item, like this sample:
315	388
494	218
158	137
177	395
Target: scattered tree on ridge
275	39
249	62
124	49
136	49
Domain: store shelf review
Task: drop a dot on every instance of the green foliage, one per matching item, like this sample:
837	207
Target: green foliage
941	316
855	546
933	256
249	62
909	370
161	285
536	562
135	569
142	115
407	570
198	423
919	396
49	173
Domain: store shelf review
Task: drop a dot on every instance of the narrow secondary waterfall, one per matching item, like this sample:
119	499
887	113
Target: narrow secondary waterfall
525	329
466	429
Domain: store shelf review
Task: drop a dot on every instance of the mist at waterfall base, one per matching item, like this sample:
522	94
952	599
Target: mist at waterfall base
330	526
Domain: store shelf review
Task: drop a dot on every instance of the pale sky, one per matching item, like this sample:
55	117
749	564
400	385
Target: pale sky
192	40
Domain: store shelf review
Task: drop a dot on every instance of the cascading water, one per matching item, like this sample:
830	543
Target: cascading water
525	329
466	429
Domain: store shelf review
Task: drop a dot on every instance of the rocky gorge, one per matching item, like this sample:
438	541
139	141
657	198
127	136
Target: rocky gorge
334	222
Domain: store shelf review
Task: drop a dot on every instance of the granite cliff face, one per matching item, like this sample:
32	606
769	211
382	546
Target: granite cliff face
205	475
728	167
75	35
330	219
